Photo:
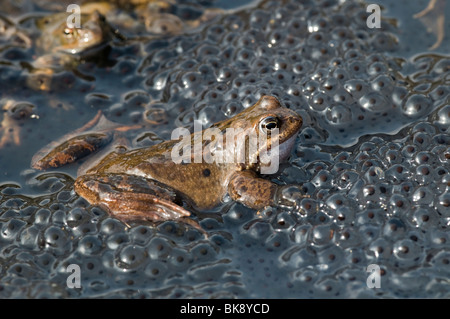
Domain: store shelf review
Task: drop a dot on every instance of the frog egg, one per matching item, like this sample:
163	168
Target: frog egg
399	205
345	215
439	93
310	87
57	240
355	69
407	253
441	261
322	234
225	74
384	41
357	88
341	75
309	207
116	240
131	257
278	241
424	218
440	173
11	229
90	245
141	234
301	233
42	217
395	228
383	84
302	67
156	270
208	115
398	95
351	55
259	230
259	19
342	96
374	102
322	52
180	259
111	226
331	257
341	33
443	115
378	68
422	139
30	236
424	174
158	248
203	252
379	249
315	39
442	204
329	86
417	105
338	115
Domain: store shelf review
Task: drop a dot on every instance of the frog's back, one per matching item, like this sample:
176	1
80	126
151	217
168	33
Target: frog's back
202	183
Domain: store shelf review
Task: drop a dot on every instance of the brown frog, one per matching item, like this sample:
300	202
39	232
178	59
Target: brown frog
58	36
150	183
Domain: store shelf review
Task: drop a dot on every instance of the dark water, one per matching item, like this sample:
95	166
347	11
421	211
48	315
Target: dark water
373	156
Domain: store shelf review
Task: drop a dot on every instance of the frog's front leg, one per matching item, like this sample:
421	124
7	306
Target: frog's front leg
254	192
130	197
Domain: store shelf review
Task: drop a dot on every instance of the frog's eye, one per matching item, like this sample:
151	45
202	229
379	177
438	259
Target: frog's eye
67	31
268	124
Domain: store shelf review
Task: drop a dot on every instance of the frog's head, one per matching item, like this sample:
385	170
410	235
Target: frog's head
60	36
76	39
259	129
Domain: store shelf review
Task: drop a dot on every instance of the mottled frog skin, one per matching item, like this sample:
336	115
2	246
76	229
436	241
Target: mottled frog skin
147	184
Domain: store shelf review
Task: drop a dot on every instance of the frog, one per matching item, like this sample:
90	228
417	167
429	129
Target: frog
62	46
149	184
57	36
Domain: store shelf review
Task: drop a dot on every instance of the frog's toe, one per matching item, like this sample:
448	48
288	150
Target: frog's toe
129	197
146	207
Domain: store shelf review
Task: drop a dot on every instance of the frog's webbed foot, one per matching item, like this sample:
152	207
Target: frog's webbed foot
433	17
70	147
129	197
82	142
245	187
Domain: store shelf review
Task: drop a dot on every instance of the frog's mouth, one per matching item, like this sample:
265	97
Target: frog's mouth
270	164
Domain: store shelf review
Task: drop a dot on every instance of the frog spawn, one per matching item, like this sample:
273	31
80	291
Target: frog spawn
383	201
391	217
